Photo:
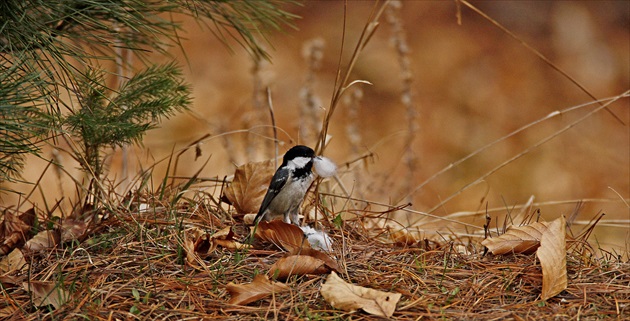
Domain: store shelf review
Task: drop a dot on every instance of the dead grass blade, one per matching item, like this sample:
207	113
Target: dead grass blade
527	150
541	56
343	82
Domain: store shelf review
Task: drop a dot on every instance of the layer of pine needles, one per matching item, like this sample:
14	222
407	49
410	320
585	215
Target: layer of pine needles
131	266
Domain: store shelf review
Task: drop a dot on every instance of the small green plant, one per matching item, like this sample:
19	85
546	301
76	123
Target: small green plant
105	118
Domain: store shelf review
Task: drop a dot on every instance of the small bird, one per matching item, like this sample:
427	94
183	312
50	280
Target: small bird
288	186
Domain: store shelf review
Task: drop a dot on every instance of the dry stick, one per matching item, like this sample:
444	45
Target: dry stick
121	74
532	204
39	180
81	160
182	151
538	54
478	151
342	84
273	125
406	94
403	209
529	149
352	103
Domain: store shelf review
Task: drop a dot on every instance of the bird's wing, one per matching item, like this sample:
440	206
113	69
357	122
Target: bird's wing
277	182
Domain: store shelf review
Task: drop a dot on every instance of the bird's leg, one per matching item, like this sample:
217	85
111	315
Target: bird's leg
294	217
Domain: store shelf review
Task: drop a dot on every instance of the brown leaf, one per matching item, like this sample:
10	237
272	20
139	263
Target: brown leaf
46	293
225	238
14	230
193	237
347	297
72	229
13	262
297	265
552	254
285	236
43	240
403	237
517	239
198	243
249	186
259	288
7	281
322	256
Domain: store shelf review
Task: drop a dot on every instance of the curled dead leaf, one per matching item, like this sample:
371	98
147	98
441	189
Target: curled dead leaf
297	265
14	229
198	243
225	238
194	238
249	186
322	256
259	288
517	239
348	297
285	236
552	254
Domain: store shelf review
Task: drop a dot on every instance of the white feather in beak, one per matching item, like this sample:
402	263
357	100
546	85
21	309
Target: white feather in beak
324	167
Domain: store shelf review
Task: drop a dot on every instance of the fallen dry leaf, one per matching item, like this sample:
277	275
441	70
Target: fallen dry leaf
322	256
552	254
517	239
285	236
193	238
7	281
345	296
403	237
198	243
43	240
14	229
225	238
46	293
297	265
260	288
73	229
249	186
13	262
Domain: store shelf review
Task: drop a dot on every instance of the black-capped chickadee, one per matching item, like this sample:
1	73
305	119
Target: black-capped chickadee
288	186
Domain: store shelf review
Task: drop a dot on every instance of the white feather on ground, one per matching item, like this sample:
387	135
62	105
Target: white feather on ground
319	240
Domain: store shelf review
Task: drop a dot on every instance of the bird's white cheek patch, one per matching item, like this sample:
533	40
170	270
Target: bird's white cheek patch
299	162
324	167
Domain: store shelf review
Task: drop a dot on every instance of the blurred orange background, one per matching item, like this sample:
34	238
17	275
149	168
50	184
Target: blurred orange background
472	85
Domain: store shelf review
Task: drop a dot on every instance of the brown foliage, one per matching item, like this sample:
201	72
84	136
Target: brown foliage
348	297
249	186
259	288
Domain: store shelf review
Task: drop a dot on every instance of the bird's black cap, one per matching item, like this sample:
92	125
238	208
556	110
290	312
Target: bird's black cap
298	151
